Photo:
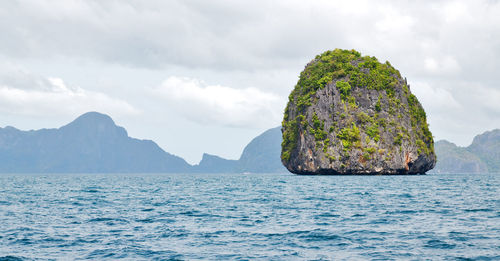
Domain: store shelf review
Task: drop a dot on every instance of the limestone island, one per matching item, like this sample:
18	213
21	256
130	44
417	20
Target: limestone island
351	114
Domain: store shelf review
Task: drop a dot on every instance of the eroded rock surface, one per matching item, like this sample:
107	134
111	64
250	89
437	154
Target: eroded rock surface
351	114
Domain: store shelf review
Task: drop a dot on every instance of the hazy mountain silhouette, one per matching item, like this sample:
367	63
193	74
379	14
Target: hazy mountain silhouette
454	159
487	147
482	156
91	143
215	164
261	155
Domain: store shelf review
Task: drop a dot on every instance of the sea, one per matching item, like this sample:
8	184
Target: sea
249	217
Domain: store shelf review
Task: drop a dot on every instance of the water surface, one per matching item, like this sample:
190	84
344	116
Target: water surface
253	216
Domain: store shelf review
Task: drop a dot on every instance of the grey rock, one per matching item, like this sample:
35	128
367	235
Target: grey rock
314	135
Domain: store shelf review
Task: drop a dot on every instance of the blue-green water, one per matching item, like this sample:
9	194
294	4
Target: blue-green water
254	216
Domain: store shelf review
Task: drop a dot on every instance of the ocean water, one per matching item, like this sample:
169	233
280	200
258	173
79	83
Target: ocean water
251	216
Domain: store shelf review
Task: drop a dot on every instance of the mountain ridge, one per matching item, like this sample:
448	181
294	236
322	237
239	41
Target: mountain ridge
91	143
93	139
481	156
94	143
260	155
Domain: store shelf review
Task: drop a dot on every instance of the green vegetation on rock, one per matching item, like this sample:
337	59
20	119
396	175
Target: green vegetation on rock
353	105
349	136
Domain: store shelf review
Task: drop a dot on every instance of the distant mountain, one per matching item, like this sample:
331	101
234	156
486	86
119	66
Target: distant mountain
261	155
487	147
454	159
92	143
482	156
215	164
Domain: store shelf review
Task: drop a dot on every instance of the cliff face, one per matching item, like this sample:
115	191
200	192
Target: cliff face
350	114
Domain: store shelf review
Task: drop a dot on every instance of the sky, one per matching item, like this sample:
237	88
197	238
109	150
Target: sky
199	76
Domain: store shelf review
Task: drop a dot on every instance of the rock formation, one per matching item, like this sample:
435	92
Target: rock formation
351	114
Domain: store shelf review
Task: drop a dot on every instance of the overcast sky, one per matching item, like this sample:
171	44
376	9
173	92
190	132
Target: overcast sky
208	76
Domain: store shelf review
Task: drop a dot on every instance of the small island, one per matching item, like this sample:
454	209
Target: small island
351	114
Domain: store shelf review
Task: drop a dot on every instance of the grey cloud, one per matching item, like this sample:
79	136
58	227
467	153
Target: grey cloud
29	94
242	35
220	34
13	75
451	46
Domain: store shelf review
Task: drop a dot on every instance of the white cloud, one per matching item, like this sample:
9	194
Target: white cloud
22	93
448	50
482	99
220	105
446	65
455	11
239	35
459	115
434	98
394	21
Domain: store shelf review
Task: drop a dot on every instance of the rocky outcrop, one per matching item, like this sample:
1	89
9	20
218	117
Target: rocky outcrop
350	114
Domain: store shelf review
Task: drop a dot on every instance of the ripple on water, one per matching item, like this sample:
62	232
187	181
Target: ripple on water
478	210
241	217
436	243
107	219
12	258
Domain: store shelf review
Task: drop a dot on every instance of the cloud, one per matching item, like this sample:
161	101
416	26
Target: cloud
23	93
482	102
228	35
220	105
454	11
459	115
434	98
447	65
448	50
393	21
